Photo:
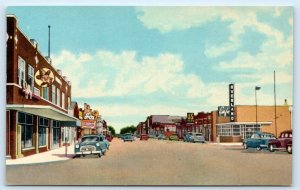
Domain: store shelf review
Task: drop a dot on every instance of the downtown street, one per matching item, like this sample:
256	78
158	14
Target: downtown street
162	162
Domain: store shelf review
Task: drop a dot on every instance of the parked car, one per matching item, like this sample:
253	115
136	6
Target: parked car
197	137
161	137
144	137
90	144
258	140
109	138
174	137
105	141
187	137
284	142
128	137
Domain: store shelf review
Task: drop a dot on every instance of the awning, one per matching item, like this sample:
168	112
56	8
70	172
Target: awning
76	123
43	111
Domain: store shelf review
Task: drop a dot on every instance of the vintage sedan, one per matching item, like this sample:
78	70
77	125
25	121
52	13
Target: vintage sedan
258	140
187	137
161	137
284	142
128	137
197	137
174	137
144	137
90	144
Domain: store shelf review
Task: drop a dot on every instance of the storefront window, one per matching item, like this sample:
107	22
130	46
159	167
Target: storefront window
42	130
236	130
26	121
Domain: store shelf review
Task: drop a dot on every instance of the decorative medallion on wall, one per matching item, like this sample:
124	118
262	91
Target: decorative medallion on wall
44	77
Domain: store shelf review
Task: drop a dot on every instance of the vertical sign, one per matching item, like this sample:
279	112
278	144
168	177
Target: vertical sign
231	101
190	117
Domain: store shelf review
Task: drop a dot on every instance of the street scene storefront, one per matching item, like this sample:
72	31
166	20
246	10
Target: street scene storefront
38	97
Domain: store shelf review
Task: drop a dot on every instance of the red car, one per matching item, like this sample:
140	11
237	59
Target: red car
109	138
144	137
284	142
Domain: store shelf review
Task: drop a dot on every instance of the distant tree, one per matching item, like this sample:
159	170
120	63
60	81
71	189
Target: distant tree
128	129
112	130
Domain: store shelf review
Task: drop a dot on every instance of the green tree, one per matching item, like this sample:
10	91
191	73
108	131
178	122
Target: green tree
128	129
112	130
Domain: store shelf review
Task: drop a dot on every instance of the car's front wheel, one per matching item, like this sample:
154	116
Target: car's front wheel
99	155
290	149
245	146
272	148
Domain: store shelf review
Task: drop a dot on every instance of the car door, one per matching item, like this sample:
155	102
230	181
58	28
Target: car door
102	144
256	140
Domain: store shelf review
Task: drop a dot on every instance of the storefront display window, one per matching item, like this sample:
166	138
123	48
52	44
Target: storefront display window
43	126
26	121
55	133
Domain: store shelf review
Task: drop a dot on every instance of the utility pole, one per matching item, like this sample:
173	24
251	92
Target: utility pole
275	104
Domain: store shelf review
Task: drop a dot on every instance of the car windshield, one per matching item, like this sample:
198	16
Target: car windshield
90	139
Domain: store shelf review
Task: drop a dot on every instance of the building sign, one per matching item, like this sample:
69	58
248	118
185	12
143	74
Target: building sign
190	117
223	111
88	124
231	102
44	77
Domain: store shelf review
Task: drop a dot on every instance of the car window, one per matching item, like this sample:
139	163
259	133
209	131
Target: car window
291	135
90	139
286	135
199	134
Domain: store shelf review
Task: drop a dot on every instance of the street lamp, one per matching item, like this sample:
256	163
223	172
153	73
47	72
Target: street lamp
256	89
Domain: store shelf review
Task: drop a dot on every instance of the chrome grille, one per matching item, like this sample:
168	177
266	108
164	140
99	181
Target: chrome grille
88	148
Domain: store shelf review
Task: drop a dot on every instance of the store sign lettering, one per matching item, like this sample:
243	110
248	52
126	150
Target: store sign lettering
89	116
231	102
224	111
190	117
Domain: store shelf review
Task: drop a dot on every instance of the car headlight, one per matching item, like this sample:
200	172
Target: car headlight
77	146
97	144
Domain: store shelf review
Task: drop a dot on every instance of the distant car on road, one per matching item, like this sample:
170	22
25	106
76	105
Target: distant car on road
258	140
144	137
197	137
91	144
161	137
284	142
187	137
174	137
128	137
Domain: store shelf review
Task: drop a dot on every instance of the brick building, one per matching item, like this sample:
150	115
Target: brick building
38	97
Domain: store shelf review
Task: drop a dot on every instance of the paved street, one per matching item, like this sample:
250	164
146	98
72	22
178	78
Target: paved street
156	162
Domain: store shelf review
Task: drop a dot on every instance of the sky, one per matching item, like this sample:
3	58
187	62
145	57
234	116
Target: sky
131	62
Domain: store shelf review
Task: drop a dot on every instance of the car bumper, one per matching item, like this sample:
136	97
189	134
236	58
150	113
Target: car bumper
88	152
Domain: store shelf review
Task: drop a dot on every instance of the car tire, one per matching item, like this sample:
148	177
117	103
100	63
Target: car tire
99	155
271	148
290	149
245	146
258	148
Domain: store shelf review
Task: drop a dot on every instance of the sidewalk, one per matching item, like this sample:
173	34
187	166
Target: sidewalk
44	157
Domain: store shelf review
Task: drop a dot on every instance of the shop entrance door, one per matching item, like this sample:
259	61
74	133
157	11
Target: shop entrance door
55	137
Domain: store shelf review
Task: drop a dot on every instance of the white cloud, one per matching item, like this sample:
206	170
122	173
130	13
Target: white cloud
110	74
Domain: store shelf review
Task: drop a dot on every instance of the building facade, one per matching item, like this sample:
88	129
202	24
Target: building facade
250	119
38	97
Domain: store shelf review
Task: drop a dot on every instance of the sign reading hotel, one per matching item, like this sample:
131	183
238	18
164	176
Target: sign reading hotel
231	102
190	117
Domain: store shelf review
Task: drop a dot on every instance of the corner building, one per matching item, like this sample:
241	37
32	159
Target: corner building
38	97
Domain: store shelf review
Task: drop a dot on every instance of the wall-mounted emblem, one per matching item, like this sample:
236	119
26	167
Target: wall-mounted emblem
27	91
44	77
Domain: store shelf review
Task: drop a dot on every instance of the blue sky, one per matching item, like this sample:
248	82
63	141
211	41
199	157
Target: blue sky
130	62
